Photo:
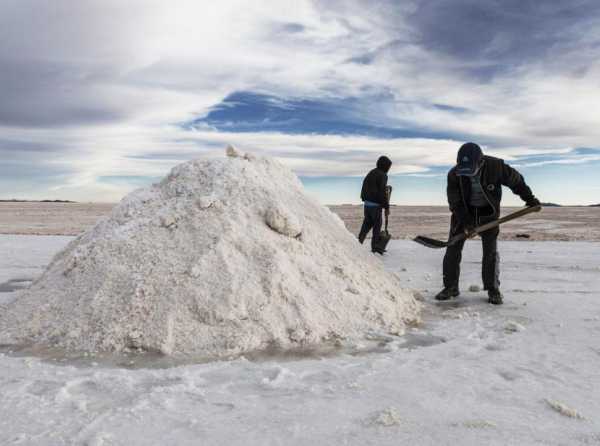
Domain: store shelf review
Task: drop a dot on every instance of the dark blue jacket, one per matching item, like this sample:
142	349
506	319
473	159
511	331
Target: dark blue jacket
495	173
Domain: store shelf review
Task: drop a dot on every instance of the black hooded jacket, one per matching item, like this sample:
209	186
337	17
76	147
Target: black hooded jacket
495	173
373	187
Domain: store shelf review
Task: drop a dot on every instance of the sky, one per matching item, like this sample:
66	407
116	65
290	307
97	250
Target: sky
101	97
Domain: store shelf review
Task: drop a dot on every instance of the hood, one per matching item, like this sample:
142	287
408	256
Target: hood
384	163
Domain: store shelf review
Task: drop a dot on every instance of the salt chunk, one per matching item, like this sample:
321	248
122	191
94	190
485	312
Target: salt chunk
232	152
513	327
167	220
388	417
478	424
195	271
564	409
205	202
282	221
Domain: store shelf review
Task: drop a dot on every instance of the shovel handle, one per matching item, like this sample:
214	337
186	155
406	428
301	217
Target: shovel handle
388	196
509	217
493	224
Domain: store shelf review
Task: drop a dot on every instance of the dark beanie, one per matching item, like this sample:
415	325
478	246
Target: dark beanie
384	163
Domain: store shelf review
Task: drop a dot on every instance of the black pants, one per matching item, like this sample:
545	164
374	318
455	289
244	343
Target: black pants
372	220
490	265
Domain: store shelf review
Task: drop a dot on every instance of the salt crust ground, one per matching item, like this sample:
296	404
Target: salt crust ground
465	377
219	258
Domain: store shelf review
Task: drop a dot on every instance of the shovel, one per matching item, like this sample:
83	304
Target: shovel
384	236
433	243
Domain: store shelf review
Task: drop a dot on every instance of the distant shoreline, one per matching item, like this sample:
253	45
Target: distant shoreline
18	200
15	200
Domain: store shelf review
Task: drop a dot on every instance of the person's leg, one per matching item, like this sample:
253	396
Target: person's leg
376	219
453	256
490	264
451	264
366	225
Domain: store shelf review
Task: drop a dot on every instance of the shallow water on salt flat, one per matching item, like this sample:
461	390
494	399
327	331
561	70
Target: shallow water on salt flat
413	339
16	284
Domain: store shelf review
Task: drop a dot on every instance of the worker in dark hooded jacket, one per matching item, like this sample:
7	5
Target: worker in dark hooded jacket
474	194
375	198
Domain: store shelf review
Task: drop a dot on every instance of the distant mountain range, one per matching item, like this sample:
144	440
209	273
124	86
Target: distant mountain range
556	205
14	200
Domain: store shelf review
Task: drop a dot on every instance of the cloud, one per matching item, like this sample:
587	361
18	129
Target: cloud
497	36
575	156
105	88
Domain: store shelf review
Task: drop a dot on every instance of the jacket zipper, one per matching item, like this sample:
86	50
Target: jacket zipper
462	194
496	213
462	190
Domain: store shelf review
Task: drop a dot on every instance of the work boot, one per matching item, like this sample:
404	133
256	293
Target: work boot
495	296
447	293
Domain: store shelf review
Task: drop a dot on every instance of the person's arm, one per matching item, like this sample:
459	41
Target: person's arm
362	190
512	179
456	203
381	191
388	197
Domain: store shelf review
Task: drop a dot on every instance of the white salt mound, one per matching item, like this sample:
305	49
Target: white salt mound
221	257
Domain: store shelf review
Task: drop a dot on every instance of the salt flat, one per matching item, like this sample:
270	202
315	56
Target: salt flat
471	374
553	223
42	218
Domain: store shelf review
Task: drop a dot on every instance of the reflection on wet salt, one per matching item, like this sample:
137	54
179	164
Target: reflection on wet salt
141	360
15	285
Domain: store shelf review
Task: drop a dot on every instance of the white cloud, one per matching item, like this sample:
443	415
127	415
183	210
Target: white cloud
106	80
91	153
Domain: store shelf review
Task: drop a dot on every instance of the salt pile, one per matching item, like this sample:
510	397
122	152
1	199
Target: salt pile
219	258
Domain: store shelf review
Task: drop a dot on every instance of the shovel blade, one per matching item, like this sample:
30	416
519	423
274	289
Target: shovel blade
430	242
384	238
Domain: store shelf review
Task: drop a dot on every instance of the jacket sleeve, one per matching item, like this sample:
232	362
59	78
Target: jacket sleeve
362	190
516	183
455	201
381	195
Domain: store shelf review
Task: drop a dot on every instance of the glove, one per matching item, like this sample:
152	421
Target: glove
387	212
532	202
469	230
469	225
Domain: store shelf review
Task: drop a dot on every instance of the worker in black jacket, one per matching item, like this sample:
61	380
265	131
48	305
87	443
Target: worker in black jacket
374	197
474	194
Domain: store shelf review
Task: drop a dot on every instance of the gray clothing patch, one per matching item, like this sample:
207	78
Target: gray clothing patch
477	198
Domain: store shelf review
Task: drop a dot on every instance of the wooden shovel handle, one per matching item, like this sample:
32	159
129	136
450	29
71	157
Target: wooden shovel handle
509	217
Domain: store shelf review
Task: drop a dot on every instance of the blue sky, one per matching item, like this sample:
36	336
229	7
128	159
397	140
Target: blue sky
102	97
